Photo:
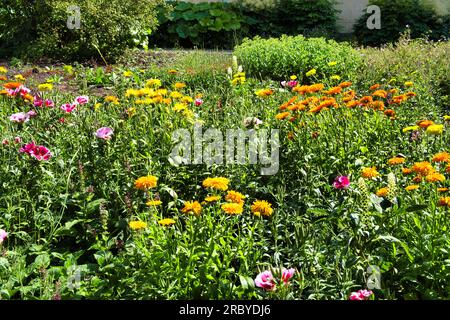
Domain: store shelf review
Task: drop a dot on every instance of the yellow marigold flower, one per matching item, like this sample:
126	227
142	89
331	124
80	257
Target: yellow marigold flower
193	207
335	77
166	222
232	208
332	63
179	85
409	84
175	95
212	198
264	93
152	203
412	187
396	160
435	177
219	183
162	92
131	93
369	173
441	157
435	129
293	77
444	201
447	169
153	83
127	74
3	70
311	72
234	196
19	77
262	208
137	225
447	118
442	189
424	123
423	168
112	99
172	71
145	183
411	128
282	115
178	107
406	171
131	111
383	192
187	99
167	101
45	87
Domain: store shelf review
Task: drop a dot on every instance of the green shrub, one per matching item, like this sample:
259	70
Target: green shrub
396	16
278	58
108	26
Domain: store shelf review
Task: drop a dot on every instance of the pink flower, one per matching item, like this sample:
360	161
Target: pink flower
41	153
62	120
68	107
20	117
198	102
104	133
360	295
287	274
32	113
38	102
5	142
283	83
265	280
82	99
3	235
292	83
17	139
341	182
28	148
49	103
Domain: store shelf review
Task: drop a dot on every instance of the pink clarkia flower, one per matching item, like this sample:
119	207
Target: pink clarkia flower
41	153
3	235
19	117
17	139
49	103
341	182
28	148
82	99
38	102
69	107
360	295
292	83
265	280
198	102
5	142
104	133
32	113
287	274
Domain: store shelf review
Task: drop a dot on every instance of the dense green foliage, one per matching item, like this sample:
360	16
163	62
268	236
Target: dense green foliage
40	28
398	15
280	58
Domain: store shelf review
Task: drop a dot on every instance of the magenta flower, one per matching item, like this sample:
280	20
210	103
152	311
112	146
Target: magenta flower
341	182
104	133
49	103
17	139
20	117
82	99
265	280
5	142
198	102
360	295
38	152
38	102
69	107
3	235
287	274
292	83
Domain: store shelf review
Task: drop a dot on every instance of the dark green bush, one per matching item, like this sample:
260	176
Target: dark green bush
41	27
397	16
278	58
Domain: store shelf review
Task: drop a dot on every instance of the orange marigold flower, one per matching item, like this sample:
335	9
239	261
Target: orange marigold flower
12	85
412	187
282	116
286	104
234	196
417	179
406	171
411	94
345	84
383	192
193	207
377	105
447	169
424	123
3	78
422	168
442	189
369	173
366	100
435	177
399	99
352	104
301	89
316	87
444	201
145	183
389	113
441	157
262	208
334	90
232	208
396	160
380	93
375	86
